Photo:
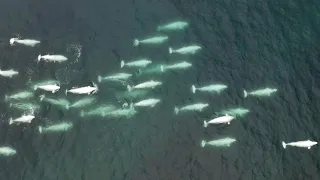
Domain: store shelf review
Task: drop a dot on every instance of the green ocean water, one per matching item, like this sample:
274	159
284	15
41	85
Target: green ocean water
245	44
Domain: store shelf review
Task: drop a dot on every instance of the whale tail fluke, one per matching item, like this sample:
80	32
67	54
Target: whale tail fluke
66	92
284	144
40	129
10	121
82	113
122	64
161	67
203	143
129	87
42	97
176	110
245	94
39	57
170	50
193	89
99	79
12	41
135	42
205	124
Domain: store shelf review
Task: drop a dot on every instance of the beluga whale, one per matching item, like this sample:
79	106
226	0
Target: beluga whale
185	50
115	77
84	90
192	107
223	142
145	85
8	73
59	127
19	96
151	40
210	88
219	120
50	87
173	26
26	118
305	144
260	92
179	65
141	63
7	151
52	58
151	102
26	42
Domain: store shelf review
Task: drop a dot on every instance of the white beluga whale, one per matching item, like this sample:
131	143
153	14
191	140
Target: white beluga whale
210	88
185	50
44	82
26	42
7	151
53	58
180	65
305	144
26	118
50	87
191	107
219	120
148	84
224	142
260	92
115	77
8	73
152	40
141	63
84	90
151	102
173	26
